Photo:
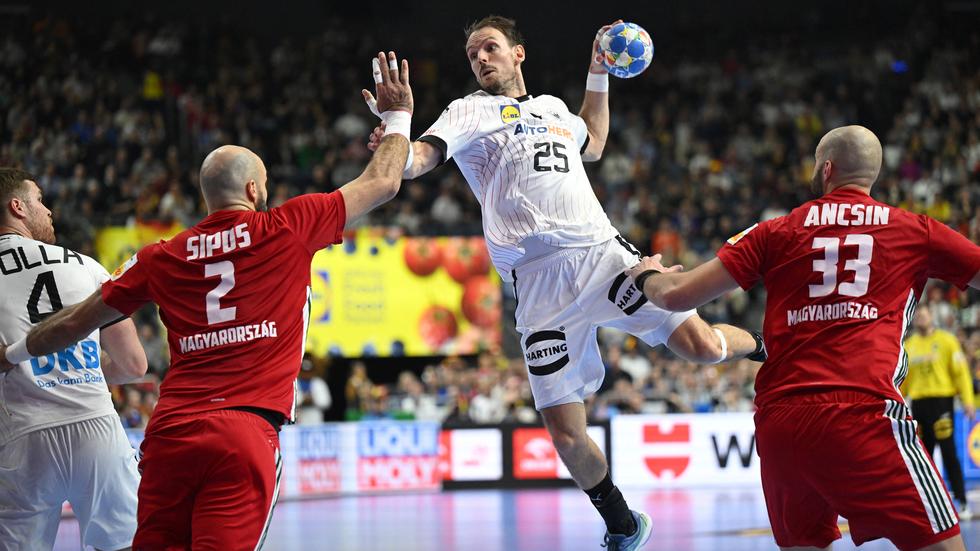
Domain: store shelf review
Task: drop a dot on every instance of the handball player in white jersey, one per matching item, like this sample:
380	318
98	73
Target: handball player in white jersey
60	437
547	233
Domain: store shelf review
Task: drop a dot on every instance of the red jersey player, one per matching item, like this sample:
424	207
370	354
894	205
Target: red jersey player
843	274
234	293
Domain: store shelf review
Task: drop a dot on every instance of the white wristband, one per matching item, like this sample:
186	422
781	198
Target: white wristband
411	157
17	352
597	82
724	346
397	122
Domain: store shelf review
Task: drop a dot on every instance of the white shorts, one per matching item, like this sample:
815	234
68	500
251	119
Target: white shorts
90	464
563	299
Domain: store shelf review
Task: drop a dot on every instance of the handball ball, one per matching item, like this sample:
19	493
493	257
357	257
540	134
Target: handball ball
626	50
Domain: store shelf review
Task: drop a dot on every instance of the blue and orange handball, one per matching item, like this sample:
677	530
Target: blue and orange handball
626	49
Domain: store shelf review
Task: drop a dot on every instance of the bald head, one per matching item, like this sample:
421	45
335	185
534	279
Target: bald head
848	155
233	177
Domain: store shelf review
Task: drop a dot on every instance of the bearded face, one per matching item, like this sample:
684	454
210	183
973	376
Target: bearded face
817	182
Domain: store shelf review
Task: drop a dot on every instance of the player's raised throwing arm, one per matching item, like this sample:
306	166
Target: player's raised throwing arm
382	178
595	105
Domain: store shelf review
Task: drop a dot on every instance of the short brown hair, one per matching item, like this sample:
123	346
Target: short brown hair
503	24
12	184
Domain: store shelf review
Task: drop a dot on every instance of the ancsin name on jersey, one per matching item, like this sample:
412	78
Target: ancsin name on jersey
834	214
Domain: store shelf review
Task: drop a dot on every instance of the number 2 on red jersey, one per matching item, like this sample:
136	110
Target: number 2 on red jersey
226	270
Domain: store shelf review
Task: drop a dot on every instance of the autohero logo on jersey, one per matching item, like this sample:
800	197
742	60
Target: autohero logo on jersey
78	364
510	113
538	129
546	352
398	456
229	335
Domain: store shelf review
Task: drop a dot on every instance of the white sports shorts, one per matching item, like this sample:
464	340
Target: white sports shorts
562	300
90	464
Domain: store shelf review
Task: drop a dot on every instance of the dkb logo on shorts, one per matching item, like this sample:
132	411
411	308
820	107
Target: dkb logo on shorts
625	295
545	352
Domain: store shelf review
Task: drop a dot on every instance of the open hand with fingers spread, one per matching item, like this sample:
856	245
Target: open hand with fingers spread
391	85
393	92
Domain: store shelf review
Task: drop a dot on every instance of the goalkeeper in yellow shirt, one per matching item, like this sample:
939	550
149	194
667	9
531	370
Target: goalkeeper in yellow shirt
938	371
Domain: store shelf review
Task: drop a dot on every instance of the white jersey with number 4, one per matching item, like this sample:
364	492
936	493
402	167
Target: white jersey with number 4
522	159
36	280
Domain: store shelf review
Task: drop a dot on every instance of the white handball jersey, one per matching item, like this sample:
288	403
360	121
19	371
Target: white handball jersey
36	280
522	159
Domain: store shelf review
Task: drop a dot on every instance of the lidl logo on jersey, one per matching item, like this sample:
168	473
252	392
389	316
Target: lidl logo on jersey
510	113
81	358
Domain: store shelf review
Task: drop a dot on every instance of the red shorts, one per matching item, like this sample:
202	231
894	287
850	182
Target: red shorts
210	481
853	455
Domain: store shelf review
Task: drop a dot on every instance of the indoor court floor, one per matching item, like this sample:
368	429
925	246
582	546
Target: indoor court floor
521	520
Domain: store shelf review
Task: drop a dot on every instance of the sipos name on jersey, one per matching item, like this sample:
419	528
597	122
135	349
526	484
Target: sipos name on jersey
206	246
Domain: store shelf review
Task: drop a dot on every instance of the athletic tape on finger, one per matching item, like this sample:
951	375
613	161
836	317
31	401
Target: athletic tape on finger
376	69
373	106
392	64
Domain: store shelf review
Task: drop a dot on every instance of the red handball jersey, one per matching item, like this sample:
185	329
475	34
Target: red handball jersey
843	274
234	294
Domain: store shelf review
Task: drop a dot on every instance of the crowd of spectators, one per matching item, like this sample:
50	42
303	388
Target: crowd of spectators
638	379
114	117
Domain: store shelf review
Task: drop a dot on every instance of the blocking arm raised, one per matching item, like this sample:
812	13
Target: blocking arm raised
381	180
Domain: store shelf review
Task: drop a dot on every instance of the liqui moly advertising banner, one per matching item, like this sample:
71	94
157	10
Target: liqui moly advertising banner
344	458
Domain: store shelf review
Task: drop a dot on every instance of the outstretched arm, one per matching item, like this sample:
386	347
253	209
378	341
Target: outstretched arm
595	105
59	331
674	290
380	181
